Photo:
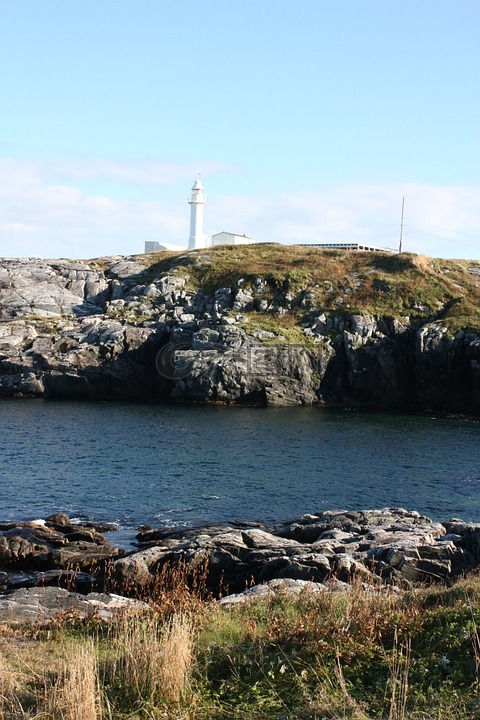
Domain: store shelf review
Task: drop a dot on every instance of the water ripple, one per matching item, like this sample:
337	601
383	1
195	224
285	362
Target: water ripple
141	464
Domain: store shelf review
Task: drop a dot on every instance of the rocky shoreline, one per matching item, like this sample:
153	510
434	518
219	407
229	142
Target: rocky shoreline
141	329
50	566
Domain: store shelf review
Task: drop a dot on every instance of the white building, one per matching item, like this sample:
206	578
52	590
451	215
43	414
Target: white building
151	246
197	238
228	238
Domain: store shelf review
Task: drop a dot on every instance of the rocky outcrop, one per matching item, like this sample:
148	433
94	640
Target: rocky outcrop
51	568
391	545
52	552
318	552
42	605
119	329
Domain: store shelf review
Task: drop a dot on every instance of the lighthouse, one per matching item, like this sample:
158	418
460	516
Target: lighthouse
196	201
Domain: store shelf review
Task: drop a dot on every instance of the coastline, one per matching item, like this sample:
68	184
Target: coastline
386	547
390	609
262	325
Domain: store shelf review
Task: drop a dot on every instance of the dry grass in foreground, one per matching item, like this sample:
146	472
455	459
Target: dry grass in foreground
357	655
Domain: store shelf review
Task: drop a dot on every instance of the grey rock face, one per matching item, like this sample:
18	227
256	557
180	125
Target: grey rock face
243	300
57	336
393	545
49	288
236	369
111	329
448	375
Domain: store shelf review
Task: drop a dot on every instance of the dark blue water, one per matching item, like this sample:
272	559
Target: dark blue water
158	464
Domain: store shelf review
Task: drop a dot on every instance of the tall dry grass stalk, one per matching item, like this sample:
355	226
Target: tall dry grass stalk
475	640
351	708
136	654
77	695
151	661
399	672
177	657
181	588
10	686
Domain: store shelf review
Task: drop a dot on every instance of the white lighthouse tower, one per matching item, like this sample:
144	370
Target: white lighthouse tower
196	201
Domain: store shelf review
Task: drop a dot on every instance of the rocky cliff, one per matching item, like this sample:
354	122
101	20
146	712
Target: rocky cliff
266	324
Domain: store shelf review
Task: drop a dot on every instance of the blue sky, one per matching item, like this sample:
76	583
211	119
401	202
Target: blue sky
308	121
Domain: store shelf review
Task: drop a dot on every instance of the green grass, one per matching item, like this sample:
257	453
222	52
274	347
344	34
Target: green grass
363	654
286	329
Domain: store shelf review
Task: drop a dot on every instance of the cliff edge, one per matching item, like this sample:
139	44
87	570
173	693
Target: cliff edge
262	325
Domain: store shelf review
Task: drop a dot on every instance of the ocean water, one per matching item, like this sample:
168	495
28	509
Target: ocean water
165	465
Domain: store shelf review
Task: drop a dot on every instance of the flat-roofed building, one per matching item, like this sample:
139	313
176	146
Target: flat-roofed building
152	246
228	238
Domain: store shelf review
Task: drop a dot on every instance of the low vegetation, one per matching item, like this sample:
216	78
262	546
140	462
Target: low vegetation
355	655
338	281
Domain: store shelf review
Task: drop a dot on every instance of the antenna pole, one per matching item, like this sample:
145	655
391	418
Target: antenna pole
401	226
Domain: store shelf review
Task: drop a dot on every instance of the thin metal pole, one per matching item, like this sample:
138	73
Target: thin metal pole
401	226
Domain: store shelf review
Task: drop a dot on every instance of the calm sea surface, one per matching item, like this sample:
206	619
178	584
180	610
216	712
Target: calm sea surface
174	465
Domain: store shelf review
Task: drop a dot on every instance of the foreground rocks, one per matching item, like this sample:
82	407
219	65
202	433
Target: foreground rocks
114	329
49	569
51	552
319	551
390	545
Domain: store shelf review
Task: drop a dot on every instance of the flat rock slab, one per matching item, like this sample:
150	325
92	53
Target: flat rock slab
42	605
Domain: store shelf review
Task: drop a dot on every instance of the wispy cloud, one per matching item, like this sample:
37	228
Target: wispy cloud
144	172
39	215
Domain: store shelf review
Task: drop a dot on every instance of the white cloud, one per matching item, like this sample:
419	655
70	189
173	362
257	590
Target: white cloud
40	216
20	228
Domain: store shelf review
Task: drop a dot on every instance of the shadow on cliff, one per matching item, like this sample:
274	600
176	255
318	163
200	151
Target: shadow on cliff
130	376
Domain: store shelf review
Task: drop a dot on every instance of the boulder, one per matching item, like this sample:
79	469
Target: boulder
16	551
132	573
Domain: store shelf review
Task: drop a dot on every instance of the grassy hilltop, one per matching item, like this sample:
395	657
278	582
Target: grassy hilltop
339	282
